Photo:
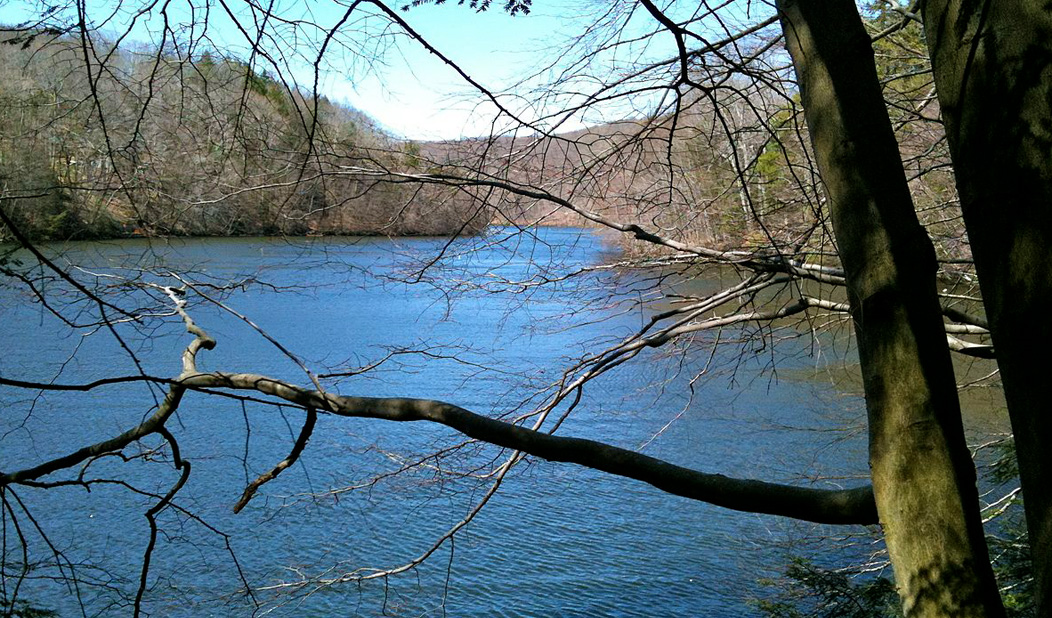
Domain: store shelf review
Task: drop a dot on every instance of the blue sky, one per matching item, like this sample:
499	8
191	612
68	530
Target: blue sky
417	95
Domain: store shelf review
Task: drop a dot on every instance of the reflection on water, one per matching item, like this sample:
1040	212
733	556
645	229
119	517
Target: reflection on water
556	541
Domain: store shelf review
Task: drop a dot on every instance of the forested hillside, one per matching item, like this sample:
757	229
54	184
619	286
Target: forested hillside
196	143
97	142
731	168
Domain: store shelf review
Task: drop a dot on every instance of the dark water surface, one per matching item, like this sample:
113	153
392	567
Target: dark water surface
557	540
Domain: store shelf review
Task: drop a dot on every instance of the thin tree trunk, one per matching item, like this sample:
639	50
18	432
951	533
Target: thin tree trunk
993	72
923	476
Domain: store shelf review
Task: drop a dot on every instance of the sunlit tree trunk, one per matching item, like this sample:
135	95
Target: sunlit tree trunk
923	477
993	72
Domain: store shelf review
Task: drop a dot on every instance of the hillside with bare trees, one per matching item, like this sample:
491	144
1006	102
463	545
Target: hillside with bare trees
99	142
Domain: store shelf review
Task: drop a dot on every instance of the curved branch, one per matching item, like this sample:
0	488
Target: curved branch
968	348
151	517
153	424
848	506
965	318
294	455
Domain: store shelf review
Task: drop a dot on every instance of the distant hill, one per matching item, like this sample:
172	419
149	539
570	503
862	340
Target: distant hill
632	172
137	142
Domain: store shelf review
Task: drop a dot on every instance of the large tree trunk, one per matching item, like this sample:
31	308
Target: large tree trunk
993	72
923	476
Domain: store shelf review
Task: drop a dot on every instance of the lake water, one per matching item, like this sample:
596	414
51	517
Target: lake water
557	540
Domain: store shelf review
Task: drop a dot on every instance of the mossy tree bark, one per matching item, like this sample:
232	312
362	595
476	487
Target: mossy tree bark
923	477
993	72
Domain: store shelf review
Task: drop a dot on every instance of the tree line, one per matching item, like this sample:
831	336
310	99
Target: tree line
135	141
